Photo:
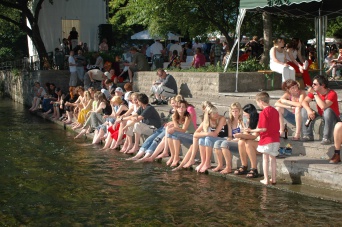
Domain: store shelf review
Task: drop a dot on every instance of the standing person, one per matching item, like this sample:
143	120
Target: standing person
277	61
80	63
327	106
216	51
166	86
73	70
292	53
269	143
73	37
253	46
156	48
289	106
103	47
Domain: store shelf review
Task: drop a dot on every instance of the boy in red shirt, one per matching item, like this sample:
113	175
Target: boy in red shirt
269	142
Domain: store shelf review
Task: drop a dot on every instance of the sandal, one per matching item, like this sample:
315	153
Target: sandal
241	170
253	173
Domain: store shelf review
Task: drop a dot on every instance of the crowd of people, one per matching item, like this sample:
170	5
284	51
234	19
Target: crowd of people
120	119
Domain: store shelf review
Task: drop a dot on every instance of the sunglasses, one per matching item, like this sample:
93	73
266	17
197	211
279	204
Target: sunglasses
314	84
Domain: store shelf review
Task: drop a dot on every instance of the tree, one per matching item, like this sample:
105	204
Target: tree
193	17
22	14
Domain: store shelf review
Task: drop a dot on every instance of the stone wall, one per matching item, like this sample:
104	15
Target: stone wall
19	84
192	84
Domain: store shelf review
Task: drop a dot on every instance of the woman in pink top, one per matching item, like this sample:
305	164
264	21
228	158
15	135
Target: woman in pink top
199	59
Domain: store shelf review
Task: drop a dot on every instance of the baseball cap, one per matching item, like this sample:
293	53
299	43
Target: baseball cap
119	89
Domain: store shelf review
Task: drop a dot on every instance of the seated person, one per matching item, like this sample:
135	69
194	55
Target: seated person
175	61
146	120
327	106
199	59
336	158
336	64
289	106
139	63
38	96
165	87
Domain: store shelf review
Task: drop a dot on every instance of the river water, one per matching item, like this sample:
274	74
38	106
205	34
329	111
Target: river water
48	179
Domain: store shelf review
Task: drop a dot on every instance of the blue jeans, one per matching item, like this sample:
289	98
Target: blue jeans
153	140
289	116
184	138
208	141
80	73
329	118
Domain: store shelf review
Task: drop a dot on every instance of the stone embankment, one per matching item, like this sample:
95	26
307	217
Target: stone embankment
306	171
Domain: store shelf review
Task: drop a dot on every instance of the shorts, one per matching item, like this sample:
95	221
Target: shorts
208	141
271	149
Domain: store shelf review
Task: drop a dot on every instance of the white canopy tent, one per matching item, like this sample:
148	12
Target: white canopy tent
145	35
318	10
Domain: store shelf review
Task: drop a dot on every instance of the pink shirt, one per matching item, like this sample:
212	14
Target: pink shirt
191	110
199	60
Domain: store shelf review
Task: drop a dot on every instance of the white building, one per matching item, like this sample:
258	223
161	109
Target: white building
57	19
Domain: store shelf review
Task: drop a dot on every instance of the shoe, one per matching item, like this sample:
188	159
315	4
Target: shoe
306	65
325	141
335	159
164	102
307	138
155	102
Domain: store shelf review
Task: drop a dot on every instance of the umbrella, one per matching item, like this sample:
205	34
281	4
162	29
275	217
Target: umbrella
145	35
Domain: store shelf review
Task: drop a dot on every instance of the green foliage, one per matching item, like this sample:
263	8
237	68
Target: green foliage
251	65
335	28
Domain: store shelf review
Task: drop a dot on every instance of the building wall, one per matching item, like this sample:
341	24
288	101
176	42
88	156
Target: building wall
91	14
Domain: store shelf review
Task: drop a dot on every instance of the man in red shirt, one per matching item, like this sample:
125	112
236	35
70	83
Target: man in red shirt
327	106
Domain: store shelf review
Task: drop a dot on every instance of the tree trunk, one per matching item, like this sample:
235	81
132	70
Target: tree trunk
39	44
267	22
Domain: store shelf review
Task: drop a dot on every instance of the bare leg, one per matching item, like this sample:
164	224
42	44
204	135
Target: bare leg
120	135
129	145
338	135
281	119
185	159
143	158
99	136
126	144
251	146
265	168
202	154
166	147
242	152
191	160
137	156
228	158
158	150
172	151
273	169
298	117
83	131
207	163
176	147
135	147
219	158
109	141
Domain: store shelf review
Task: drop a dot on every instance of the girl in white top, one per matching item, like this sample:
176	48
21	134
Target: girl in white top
277	61
38	95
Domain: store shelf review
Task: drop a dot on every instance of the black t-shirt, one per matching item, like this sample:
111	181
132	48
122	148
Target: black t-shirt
151	116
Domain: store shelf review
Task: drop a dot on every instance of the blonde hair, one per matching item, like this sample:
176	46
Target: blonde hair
116	99
263	96
87	95
205	104
235	105
178	98
206	120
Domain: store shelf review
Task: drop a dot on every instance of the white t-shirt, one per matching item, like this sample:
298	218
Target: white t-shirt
72	68
156	48
176	47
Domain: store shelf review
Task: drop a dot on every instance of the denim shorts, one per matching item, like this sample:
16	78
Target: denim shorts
289	116
208	141
184	138
224	143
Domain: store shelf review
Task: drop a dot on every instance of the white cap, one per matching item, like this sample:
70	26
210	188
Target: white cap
107	74
119	89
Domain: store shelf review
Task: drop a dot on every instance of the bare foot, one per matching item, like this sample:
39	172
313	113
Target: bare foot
132	150
169	161
150	159
264	181
80	134
198	168
218	168
189	164
273	182
226	171
175	163
133	158
162	155
123	149
204	168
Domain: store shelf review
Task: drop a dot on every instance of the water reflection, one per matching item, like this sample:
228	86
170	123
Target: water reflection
48	179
